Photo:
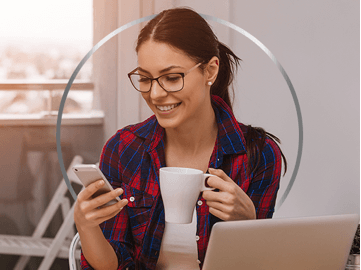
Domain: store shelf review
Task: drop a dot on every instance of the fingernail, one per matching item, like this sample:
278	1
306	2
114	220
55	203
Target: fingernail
101	182
119	190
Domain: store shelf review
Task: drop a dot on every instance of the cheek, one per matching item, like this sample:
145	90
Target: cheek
197	95
198	88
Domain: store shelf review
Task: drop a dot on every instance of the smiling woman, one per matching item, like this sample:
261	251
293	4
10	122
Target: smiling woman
184	74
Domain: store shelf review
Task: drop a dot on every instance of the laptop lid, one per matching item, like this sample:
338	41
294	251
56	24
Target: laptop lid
295	243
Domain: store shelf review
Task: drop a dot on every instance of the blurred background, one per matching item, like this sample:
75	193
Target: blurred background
42	42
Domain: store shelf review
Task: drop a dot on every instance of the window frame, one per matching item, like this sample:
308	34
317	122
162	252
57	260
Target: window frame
49	117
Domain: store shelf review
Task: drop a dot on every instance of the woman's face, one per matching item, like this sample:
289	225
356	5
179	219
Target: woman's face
173	109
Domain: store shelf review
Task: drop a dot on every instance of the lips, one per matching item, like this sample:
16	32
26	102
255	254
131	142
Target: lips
168	107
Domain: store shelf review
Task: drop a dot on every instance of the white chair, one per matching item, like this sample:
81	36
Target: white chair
36	245
74	256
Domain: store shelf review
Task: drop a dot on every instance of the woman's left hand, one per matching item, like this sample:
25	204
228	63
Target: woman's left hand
231	202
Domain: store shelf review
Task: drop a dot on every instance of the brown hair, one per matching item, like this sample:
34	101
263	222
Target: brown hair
186	30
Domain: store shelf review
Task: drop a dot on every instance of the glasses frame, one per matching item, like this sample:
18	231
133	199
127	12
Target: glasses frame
183	74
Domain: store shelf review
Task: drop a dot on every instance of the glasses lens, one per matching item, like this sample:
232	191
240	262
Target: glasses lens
140	82
171	82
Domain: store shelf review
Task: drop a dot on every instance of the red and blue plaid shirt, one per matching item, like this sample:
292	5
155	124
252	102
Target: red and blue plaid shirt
131	159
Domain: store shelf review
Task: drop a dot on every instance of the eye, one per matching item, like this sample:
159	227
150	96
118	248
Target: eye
173	78
143	79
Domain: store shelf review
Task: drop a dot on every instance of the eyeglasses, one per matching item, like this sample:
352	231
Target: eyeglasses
171	82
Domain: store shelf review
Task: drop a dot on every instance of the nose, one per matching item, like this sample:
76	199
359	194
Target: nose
156	91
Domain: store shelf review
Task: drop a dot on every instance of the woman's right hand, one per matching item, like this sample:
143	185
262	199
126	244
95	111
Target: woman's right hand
88	212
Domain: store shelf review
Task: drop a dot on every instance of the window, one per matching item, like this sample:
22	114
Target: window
41	45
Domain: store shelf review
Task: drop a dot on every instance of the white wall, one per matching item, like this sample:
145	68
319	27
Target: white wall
317	43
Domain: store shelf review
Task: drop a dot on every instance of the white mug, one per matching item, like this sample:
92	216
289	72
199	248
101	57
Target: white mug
180	188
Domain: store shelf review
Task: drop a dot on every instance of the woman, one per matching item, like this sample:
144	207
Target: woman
184	74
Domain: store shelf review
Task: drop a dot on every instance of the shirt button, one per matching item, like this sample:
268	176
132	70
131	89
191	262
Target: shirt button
198	261
199	202
131	199
197	237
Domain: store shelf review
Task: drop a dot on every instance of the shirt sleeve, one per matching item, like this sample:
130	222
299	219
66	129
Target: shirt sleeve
265	180
116	230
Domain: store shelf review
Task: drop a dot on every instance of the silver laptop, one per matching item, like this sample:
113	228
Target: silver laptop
295	243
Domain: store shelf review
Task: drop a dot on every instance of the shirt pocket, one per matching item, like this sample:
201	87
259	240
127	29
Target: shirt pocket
139	207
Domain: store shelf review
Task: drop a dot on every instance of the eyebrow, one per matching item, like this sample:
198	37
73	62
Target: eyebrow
162	71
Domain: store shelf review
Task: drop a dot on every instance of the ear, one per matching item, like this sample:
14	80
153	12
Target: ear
212	69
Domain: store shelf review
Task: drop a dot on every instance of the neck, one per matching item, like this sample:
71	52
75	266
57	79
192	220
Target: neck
194	136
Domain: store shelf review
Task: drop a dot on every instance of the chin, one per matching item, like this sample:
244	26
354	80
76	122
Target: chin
171	122
168	123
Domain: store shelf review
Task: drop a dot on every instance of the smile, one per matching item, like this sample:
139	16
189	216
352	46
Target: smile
167	108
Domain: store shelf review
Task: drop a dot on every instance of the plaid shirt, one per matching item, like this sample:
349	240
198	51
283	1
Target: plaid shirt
131	159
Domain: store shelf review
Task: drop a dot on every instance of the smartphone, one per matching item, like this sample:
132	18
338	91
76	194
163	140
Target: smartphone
89	173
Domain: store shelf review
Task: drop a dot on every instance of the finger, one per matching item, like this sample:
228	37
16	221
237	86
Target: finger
219	206
209	195
87	192
222	197
221	174
103	212
108	210
219	213
119	205
105	198
102	219
218	183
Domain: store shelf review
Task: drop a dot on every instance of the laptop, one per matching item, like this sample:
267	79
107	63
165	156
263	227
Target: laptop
282	244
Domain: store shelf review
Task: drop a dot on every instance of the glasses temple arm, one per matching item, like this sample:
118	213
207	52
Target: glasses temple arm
185	73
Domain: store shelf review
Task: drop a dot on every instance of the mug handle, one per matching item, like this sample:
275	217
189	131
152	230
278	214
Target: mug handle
206	175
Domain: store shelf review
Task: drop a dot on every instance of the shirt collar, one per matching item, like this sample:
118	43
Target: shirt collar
230	137
150	131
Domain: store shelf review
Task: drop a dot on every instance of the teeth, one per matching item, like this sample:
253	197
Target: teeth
167	108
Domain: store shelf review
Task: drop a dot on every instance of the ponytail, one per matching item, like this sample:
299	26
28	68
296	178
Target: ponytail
255	140
228	65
